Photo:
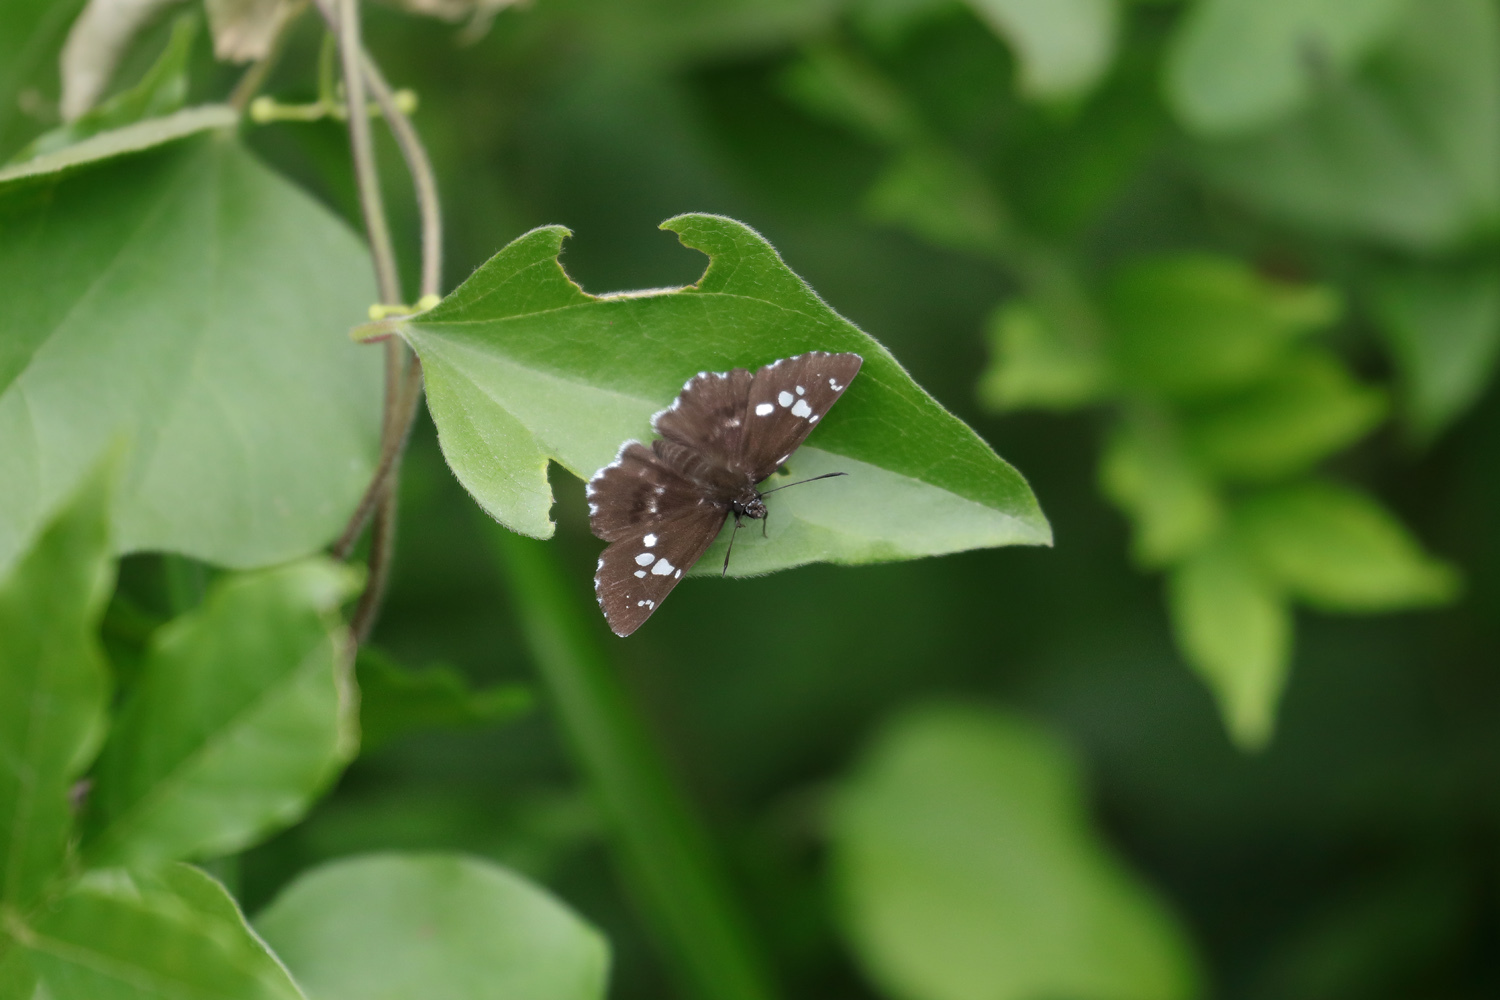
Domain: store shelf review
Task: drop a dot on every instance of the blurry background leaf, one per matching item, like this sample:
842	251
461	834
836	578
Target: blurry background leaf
431	925
967	869
1406	152
1306	408
243	30
1443	328
929	191
1063	46
1339	550
96	43
1033	363
1147	472
394	701
1196	326
242	715
54	688
167	276
835	83
1235	628
161	91
31	32
522	366
177	934
1239	64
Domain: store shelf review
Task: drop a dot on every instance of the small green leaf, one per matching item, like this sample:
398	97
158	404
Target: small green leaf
1339	550
242	713
124	141
1197	326
968	869
31	32
54	687
1236	65
198	301
1033	363
523	366
177	935
431	925
834	83
1407	153
1306	409
1063	46
1443	329
394	701
160	92
1149	475
1235	628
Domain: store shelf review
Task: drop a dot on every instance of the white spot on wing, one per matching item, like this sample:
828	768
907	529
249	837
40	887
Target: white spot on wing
801	391
644	559
640	574
813	419
677	575
649	540
764	410
784	398
801	409
662	567
834	385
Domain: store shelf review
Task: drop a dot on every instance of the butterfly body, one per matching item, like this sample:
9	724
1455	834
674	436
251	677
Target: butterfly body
660	507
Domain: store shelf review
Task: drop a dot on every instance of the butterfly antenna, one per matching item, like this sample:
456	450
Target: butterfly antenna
826	475
725	571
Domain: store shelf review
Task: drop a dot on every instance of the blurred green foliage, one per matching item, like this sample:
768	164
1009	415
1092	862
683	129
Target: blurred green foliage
1238	257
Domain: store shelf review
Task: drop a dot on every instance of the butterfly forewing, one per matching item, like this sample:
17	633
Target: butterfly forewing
787	399
637	571
703	428
635	491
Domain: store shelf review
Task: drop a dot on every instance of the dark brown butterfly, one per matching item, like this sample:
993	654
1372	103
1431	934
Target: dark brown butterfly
661	507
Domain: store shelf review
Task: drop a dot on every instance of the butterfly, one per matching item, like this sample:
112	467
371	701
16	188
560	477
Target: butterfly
661	507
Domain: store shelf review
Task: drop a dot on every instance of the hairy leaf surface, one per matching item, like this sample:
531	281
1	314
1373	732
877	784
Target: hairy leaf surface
523	367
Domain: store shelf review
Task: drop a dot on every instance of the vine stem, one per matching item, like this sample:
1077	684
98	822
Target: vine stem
403	372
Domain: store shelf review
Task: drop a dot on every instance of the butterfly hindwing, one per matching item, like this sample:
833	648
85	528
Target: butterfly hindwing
637	571
637	491
787	399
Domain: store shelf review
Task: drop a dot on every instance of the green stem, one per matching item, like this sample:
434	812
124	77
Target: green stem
664	851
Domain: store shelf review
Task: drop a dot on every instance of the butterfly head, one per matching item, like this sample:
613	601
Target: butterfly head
750	505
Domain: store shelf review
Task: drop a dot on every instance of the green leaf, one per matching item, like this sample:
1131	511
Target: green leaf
123	141
1407	153
968	869
1196	326
54	687
1235	628
1443	330
160	92
243	712
522	366
1236	65
1063	46
1339	550
31	32
1034	363
198	301
831	81
179	935
431	925
932	192
1305	410
394	701
1148	474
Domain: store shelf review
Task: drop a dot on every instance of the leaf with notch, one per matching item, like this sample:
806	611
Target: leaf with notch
523	367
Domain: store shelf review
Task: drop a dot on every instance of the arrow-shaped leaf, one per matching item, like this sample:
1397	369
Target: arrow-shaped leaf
523	367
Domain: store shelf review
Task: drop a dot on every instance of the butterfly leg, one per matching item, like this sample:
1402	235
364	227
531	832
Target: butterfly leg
763	522
725	571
